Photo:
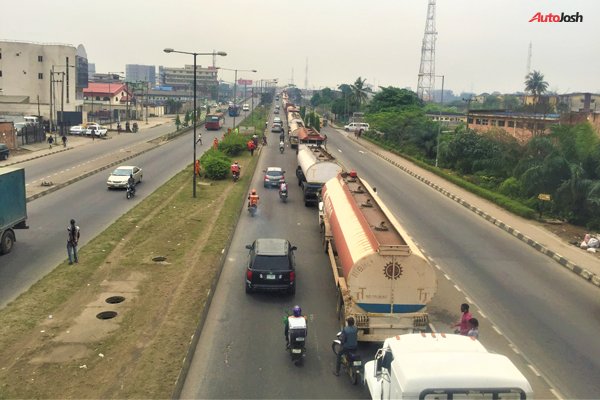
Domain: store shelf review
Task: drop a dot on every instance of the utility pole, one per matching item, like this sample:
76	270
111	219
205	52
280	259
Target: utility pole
427	67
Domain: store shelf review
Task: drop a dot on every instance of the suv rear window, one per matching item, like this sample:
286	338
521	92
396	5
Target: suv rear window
271	263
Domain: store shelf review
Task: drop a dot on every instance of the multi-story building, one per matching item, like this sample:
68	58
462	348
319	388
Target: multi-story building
36	76
141	73
522	126
183	79
580	102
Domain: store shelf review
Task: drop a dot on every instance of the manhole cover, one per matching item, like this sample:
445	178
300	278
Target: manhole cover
106	315
115	299
159	258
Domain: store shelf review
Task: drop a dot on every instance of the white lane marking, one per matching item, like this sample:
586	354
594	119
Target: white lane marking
514	348
339	150
497	330
482	314
535	371
468	299
555	393
361	152
457	288
446	276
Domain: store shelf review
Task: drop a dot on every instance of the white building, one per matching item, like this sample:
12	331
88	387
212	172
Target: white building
31	74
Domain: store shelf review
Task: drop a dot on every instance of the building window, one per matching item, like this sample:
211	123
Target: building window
477	121
97	98
501	123
511	124
105	98
519	125
40	75
494	123
530	125
40	58
541	127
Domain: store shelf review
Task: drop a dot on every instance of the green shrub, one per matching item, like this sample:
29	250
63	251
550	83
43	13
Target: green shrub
233	145
511	187
215	164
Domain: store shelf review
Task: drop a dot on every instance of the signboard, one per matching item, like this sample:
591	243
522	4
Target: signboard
245	82
544	197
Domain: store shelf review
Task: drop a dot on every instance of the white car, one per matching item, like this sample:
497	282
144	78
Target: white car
357	127
118	178
96	130
77	130
245	107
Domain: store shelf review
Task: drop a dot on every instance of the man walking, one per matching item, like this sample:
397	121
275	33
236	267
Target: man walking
50	141
72	240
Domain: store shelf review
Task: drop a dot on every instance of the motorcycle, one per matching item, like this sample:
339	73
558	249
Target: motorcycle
351	362
252	208
281	148
283	195
129	191
297	339
236	176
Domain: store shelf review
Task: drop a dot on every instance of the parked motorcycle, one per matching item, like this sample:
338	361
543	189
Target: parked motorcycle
129	191
297	339
351	362
252	208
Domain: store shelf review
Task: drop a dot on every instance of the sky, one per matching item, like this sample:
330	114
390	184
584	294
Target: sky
481	46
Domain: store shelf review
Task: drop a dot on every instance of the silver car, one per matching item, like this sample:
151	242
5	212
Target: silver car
119	177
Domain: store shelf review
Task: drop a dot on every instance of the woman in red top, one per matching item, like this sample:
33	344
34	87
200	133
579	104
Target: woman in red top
463	324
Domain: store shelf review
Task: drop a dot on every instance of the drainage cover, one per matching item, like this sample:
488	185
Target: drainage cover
115	299
106	315
159	258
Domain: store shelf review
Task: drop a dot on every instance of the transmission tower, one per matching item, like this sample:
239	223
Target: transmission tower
292	80
529	59
306	76
427	68
214	58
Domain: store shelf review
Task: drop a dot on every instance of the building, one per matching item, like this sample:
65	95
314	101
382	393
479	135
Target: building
41	79
91	69
105	99
519	125
448	119
183	79
140	73
580	102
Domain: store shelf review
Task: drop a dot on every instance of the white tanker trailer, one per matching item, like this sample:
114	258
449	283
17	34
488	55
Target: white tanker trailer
315	167
382	278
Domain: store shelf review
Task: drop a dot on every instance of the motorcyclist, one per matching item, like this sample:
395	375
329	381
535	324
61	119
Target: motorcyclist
282	136
283	188
264	140
349	343
296	313
253	198
281	146
131	183
235	169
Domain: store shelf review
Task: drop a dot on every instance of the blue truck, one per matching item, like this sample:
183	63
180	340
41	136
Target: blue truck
13	206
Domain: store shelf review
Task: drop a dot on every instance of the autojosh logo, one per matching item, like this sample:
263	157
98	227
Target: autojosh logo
562	17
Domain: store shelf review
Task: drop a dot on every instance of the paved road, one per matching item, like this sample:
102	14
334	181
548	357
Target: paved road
549	313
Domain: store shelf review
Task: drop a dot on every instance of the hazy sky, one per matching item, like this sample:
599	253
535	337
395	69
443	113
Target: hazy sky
482	45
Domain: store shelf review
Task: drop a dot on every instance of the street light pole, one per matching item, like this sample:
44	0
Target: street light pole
219	53
235	106
437	149
110	96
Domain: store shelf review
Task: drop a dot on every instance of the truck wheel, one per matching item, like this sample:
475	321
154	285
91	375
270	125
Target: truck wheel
8	240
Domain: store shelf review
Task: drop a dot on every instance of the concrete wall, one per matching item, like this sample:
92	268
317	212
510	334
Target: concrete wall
8	135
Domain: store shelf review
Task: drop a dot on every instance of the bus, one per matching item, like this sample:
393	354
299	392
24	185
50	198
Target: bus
233	110
214	121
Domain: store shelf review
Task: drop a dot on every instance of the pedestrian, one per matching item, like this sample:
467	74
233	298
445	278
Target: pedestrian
255	140
251	147
197	167
349	343
473	328
50	141
325	141
215	143
64	140
72	240
127	129
463	325
119	128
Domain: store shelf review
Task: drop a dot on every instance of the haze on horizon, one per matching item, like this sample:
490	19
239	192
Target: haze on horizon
482	46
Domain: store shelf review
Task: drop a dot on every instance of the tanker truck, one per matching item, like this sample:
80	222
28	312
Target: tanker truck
13	206
382	278
315	167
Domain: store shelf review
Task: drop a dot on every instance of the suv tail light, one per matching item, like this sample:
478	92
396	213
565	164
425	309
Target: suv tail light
249	274
292	276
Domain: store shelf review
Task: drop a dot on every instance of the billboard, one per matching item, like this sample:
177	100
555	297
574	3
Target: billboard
245	82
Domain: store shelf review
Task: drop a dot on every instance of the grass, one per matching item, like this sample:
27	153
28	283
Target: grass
142	358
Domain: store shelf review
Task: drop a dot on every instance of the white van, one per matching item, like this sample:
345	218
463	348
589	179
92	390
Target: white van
357	127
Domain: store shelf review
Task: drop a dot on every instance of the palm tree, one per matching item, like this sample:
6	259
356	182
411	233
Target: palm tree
358	91
535	83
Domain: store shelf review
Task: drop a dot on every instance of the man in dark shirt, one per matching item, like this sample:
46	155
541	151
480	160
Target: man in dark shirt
349	343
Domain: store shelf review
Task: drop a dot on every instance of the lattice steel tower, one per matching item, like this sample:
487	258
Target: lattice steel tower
427	68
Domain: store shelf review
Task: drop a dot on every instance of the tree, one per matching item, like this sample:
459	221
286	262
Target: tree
358	91
537	86
178	122
391	98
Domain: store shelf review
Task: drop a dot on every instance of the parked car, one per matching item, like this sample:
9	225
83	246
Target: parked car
271	266
274	176
77	130
96	130
357	127
118	178
245	107
4	151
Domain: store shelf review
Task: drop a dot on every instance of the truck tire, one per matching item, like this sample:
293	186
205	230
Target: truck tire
8	240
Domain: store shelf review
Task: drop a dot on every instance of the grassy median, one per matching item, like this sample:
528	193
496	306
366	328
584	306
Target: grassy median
53	346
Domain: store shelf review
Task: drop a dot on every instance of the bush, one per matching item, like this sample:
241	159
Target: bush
511	187
215	164
233	145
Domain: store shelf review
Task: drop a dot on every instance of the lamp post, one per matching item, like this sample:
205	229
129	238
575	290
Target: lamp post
235	85
437	148
118	74
219	53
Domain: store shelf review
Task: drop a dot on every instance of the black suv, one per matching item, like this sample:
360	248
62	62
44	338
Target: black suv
4	151
271	266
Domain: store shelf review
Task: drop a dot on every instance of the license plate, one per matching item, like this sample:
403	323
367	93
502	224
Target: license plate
357	363
296	351
270	276
299	339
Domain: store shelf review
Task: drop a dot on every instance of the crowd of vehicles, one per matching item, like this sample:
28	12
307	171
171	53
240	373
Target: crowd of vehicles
13	206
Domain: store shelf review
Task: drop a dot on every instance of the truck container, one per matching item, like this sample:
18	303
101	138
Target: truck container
442	366
13	206
382	278
315	167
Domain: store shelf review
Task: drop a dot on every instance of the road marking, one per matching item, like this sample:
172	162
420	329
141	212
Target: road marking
514	348
339	150
532	368
482	314
555	393
497	330
457	288
361	152
446	276
469	300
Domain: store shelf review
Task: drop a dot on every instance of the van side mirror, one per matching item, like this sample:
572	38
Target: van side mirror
249	246
294	248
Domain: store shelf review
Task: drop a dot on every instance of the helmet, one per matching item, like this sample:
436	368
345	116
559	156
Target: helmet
253	191
72	222
131	175
235	162
297	311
